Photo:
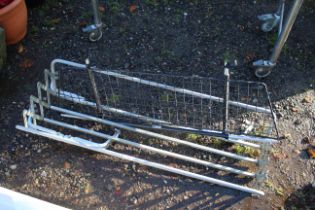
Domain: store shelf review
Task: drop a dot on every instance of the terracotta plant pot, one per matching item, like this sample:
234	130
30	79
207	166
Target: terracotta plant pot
13	18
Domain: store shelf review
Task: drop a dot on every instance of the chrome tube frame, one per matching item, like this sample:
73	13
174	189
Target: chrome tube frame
157	122
30	127
37	115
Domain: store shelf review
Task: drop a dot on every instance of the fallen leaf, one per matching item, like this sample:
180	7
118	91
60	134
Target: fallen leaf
279	156
101	8
20	48
26	63
307	99
82	23
133	8
279	191
117	191
311	152
66	165
88	188
249	57
52	22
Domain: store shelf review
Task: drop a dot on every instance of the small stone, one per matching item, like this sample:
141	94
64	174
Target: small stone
297	122
109	187
7	173
126	65
39	151
13	167
306	140
294	109
43	174
296	151
134	167
287	136
165	182
312	140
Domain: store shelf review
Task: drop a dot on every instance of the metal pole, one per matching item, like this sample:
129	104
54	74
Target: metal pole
226	101
156	135
281	14
96	13
94	87
95	29
144	147
87	144
264	67
286	30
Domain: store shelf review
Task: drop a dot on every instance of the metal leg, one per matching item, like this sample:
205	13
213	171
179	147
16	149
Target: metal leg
264	67
95	30
226	100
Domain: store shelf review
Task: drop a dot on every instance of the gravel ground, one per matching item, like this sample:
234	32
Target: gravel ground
178	37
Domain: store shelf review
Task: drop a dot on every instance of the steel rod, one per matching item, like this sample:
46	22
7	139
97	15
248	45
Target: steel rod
87	144
156	135
96	13
226	124
145	147
217	134
286	30
94	87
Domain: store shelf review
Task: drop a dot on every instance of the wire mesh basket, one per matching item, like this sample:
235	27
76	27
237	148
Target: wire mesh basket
84	105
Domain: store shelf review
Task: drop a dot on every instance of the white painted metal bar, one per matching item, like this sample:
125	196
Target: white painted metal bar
158	127
156	135
94	146
10	200
145	147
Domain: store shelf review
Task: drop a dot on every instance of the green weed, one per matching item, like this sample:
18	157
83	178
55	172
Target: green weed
244	150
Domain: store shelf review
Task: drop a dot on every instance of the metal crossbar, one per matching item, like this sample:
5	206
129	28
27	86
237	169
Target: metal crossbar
89	107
